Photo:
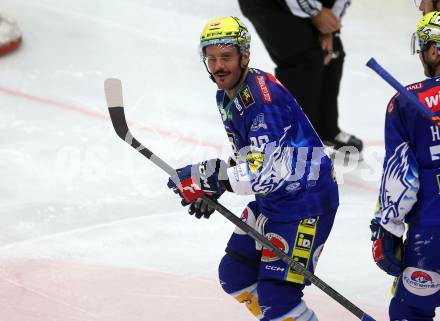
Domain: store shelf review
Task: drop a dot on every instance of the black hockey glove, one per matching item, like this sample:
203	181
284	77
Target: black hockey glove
387	249
200	208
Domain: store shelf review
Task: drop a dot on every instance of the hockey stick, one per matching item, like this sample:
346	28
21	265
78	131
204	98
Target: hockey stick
374	65
113	93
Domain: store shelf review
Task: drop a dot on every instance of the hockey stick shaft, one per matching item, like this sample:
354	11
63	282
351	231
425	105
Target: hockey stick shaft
385	75
113	90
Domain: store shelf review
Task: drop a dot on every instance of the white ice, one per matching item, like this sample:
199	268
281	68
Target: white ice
88	229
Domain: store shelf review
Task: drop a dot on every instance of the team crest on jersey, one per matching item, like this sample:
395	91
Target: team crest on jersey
431	98
258	123
246	97
264	89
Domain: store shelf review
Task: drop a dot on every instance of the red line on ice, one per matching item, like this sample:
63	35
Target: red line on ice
165	133
94	114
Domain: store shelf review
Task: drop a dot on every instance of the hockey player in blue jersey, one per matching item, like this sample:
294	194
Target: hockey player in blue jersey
279	158
410	189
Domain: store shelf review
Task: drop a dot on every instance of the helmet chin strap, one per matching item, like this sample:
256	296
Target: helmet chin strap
210	73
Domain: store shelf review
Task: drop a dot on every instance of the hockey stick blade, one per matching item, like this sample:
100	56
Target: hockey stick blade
113	91
115	103
113	95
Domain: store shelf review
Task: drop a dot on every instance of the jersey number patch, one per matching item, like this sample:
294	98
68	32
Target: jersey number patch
259	141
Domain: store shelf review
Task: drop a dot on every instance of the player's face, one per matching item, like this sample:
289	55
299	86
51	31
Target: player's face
224	62
429	58
429	5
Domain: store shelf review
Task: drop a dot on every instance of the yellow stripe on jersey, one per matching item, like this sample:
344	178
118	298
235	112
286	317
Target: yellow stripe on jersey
302	250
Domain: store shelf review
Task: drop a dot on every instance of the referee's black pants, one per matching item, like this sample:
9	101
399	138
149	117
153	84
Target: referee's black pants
294	46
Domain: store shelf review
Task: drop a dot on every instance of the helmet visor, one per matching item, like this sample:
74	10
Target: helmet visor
219	42
417	44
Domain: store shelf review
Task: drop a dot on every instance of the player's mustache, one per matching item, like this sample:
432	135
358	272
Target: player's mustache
220	72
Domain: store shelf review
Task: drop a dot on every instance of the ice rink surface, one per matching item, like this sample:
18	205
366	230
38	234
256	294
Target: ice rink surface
89	230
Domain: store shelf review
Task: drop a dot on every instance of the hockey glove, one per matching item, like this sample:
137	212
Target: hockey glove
194	181
200	208
387	249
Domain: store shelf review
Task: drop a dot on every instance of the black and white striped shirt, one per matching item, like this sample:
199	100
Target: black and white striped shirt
310	8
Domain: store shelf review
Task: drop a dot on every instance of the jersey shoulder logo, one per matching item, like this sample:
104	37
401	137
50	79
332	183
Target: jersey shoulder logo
264	89
416	86
246	97
431	98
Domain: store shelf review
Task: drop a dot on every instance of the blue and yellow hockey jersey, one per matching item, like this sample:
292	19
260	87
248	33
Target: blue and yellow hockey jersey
280	158
410	187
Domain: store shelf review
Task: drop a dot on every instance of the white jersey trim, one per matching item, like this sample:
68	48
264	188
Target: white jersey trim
399	187
310	8
240	180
